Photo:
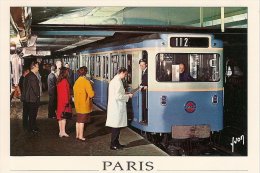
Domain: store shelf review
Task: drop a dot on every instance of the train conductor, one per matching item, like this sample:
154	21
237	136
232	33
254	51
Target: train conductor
143	86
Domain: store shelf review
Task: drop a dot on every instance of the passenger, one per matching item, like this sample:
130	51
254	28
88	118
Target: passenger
44	78
71	76
116	108
58	65
40	81
31	98
16	67
184	76
20	84
63	100
83	93
52	91
25	110
143	86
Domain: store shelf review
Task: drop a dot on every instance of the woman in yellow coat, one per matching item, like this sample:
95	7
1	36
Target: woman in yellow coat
83	93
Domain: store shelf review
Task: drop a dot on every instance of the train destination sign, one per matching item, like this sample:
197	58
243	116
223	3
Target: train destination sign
189	42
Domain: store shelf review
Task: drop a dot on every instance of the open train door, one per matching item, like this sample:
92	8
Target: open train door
136	80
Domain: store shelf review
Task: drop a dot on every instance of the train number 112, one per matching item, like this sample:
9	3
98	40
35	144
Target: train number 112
181	42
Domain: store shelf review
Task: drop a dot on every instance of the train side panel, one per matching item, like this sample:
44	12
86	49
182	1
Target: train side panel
161	117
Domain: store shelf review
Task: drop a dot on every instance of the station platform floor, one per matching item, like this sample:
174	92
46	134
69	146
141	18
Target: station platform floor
48	143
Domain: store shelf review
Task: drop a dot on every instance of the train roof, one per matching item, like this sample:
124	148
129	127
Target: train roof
122	41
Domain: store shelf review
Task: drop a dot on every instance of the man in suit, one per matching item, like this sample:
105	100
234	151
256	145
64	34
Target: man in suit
52	90
143	86
31	96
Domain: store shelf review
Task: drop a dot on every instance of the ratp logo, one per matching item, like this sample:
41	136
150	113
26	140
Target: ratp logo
190	107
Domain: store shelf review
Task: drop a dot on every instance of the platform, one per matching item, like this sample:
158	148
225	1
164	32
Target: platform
48	143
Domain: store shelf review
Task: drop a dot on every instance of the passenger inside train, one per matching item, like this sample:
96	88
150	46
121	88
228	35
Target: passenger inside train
184	76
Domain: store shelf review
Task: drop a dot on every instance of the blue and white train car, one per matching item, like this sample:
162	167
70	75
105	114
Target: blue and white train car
185	109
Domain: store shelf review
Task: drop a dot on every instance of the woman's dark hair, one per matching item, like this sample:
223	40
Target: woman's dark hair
82	71
63	74
122	69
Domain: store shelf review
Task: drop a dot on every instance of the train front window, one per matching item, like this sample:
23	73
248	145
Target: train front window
184	67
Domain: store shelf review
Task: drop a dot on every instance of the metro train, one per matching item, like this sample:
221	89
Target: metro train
179	109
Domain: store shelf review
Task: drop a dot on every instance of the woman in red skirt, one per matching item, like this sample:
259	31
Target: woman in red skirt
63	99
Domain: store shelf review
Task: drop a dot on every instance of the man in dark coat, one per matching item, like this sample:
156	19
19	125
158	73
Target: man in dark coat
20	84
31	96
25	111
52	90
143	86
184	76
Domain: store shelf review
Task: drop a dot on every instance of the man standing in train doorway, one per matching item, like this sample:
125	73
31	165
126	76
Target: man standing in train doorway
143	87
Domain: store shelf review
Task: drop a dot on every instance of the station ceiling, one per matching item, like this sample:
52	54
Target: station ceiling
64	29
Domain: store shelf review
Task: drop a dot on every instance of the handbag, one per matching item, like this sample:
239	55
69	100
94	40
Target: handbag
66	115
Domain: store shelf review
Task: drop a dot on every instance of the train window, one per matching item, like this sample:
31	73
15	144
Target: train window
145	55
107	75
105	67
87	64
122	61
197	67
83	60
114	65
92	65
129	68
73	64
97	66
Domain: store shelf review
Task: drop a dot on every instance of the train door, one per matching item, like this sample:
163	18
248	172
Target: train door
140	98
129	85
136	80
